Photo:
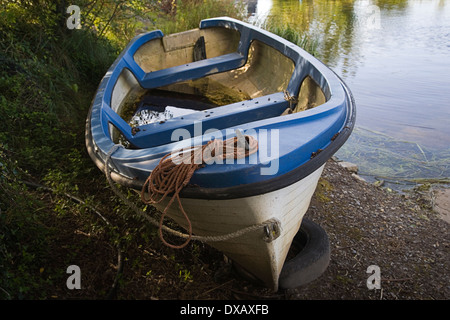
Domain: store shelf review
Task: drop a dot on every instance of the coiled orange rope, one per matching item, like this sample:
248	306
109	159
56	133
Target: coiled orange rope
170	176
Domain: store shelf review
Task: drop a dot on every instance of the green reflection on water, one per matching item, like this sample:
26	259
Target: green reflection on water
340	31
334	24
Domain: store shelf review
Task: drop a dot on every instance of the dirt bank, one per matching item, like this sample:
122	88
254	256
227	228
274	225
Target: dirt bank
367	225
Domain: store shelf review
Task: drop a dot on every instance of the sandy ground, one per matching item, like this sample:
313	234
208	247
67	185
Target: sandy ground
442	203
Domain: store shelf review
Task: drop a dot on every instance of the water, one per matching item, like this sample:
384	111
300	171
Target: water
395	57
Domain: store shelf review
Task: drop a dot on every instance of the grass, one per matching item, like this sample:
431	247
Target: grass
56	208
47	79
291	34
189	13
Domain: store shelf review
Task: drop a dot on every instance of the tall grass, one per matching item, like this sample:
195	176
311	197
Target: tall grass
189	13
48	77
292	34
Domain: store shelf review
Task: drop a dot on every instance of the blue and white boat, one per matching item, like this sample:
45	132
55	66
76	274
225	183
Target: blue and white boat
224	79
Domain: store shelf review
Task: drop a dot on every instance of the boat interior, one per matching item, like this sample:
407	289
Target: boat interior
265	71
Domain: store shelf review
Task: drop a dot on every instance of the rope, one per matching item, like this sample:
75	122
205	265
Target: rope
174	172
291	99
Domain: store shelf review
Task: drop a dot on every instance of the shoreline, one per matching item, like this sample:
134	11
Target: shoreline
368	225
437	193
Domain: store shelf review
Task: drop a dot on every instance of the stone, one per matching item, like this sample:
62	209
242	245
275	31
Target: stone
349	166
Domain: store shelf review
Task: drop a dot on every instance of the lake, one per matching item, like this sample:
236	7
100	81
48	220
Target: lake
395	57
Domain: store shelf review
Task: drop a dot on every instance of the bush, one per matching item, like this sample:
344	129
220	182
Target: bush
23	237
48	77
47	81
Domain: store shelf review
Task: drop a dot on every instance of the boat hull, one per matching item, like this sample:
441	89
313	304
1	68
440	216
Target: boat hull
263	259
298	110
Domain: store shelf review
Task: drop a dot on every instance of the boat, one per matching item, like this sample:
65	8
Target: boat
227	81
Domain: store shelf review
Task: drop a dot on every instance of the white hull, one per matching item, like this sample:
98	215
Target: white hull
218	217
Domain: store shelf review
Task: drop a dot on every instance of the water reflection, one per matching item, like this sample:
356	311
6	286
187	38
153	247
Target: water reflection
394	55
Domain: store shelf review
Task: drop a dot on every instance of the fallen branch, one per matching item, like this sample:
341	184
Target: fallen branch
394	280
68	195
215	288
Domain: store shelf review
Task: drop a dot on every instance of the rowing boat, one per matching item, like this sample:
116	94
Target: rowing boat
232	82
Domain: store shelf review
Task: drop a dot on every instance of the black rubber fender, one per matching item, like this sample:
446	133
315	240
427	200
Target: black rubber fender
311	256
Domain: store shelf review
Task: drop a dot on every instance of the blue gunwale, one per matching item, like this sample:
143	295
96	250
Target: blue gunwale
301	134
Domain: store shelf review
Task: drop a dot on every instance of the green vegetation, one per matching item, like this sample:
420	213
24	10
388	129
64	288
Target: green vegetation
47	78
49	187
53	199
292	34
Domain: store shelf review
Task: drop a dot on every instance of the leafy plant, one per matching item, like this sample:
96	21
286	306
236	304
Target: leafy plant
48	76
23	237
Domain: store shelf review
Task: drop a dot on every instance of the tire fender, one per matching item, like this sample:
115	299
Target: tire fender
311	261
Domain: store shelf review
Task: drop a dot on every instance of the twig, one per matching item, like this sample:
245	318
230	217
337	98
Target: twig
113	291
7	293
110	19
423	153
68	195
393	280
215	288
342	248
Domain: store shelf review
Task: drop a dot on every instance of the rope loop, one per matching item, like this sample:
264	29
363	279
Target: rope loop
291	99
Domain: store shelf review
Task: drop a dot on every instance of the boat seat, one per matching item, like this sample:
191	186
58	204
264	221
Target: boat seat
190	71
236	114
193	70
151	80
